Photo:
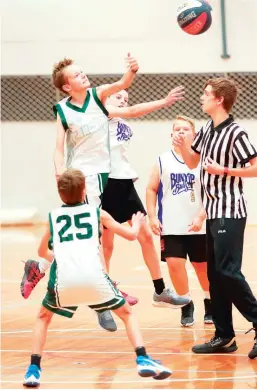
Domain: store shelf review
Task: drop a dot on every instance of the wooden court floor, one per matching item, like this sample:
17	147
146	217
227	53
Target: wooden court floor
78	354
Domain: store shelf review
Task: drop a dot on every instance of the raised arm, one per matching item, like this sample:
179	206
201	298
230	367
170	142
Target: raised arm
128	232
145	108
191	156
59	148
43	250
125	82
151	199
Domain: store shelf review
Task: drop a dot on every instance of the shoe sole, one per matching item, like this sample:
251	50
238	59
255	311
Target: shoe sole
166	304
163	375
31	384
22	285
218	350
208	322
24	279
188	324
253	354
108	330
149	373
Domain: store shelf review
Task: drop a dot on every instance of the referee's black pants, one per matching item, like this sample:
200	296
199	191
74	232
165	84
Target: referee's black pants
225	238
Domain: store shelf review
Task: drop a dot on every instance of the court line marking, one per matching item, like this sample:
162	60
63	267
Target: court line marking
100	330
230	378
80	366
122	352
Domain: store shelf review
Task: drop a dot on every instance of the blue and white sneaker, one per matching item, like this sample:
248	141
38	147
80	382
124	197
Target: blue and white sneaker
32	376
147	367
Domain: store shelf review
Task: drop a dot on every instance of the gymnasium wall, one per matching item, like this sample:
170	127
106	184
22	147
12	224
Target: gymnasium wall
99	33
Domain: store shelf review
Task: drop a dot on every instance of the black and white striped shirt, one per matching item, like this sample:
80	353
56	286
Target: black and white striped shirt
229	146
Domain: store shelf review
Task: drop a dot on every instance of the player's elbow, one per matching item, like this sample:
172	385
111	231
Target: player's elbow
150	190
132	237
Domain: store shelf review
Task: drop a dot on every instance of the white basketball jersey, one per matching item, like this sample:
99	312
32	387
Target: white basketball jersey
120	136
87	136
75	234
179	197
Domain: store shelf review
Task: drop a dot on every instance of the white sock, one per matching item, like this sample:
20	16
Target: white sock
207	294
43	265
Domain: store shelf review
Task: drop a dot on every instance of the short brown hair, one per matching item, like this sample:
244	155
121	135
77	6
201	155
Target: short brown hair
186	119
58	76
71	185
222	86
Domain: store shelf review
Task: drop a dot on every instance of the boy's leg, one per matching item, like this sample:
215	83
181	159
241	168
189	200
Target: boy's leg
163	297
107	243
114	201
44	318
197	252
147	367
49	307
95	185
174	250
32	376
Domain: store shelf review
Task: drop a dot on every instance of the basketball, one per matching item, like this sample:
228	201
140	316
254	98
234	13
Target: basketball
194	17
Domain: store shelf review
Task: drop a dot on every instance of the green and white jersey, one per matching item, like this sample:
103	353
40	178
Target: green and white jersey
87	134
75	234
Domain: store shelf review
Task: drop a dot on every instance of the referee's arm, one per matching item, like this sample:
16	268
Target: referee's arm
190	156
244	152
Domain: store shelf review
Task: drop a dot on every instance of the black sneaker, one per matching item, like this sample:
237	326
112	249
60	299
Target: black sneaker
208	311
216	345
187	314
253	353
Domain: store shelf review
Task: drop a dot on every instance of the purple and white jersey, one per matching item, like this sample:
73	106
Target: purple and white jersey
179	196
119	138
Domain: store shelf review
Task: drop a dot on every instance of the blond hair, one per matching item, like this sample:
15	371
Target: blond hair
186	119
71	185
58	76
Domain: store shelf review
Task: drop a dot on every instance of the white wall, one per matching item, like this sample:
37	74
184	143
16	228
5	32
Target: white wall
99	33
27	162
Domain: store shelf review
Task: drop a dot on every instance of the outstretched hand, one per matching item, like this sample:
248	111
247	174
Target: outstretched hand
175	95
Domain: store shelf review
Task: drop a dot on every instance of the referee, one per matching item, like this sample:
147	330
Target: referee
226	155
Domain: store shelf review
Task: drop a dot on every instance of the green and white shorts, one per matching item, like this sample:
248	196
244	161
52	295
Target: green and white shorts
95	185
97	291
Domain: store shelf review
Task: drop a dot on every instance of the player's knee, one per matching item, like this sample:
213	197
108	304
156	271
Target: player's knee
124	311
146	237
176	263
45	315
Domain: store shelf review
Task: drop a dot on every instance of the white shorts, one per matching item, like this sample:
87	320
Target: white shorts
97	291
95	185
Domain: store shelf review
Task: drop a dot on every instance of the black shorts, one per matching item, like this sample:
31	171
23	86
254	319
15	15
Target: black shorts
193	246
120	199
